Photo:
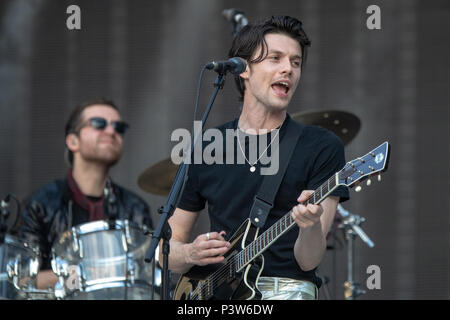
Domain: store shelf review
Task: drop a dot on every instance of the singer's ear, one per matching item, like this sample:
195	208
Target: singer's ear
244	75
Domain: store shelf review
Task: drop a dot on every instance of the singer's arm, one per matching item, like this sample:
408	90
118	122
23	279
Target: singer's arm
314	223
202	251
181	224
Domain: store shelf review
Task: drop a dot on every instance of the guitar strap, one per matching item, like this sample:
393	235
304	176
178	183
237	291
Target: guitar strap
264	199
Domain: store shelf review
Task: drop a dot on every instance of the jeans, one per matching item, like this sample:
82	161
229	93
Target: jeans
274	288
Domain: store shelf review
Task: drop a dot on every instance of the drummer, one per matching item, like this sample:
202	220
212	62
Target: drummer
94	136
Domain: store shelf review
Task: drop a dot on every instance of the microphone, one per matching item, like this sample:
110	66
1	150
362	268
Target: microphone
237	18
235	65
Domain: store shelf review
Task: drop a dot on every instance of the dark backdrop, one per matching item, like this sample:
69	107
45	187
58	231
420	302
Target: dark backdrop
147	55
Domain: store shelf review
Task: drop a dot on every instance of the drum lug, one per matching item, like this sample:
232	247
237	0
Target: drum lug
131	270
34	267
77	245
60	291
127	233
60	267
13	272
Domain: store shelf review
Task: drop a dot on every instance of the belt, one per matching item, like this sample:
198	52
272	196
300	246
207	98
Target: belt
276	288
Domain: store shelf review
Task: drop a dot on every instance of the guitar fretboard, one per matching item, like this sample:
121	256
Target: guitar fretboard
262	242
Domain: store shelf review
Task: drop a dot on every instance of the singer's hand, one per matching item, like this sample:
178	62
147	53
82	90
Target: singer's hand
207	249
309	215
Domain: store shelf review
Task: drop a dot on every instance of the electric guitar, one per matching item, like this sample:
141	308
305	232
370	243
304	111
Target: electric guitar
237	276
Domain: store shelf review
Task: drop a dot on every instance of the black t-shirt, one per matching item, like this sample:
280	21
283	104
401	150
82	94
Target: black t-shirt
229	190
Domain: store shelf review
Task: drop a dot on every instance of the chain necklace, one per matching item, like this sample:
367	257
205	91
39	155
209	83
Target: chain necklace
252	166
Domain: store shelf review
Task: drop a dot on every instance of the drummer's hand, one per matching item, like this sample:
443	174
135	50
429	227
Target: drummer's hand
46	279
205	251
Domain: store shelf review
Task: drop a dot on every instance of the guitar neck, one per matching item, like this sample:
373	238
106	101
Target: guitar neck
267	238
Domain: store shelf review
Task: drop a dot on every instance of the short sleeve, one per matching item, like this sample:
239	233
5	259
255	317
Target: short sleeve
191	199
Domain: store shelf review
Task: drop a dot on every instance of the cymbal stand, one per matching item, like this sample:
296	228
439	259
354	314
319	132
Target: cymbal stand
350	225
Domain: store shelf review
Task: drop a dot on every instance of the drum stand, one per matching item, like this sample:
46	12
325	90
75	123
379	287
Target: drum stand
351	228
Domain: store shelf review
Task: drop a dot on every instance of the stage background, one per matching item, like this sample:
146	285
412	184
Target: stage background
147	55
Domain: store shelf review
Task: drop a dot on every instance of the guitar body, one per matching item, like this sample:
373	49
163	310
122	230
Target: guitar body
235	286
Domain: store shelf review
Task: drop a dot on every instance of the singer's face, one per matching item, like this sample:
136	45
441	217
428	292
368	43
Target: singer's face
102	146
272	82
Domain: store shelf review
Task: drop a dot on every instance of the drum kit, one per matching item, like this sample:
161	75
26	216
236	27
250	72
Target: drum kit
95	262
100	260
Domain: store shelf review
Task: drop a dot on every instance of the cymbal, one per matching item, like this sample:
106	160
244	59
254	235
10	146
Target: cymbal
343	124
158	178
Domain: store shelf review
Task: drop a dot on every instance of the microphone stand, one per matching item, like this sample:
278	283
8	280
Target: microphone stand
350	225
163	230
237	19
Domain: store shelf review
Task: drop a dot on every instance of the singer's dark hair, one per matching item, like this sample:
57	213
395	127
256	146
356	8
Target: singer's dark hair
252	36
75	119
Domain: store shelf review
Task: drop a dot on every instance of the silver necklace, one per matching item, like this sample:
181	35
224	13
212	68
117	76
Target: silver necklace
252	166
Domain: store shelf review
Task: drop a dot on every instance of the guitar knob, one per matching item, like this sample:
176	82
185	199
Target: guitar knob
358	188
369	182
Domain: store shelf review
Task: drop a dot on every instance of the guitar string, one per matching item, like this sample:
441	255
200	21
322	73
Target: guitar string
220	273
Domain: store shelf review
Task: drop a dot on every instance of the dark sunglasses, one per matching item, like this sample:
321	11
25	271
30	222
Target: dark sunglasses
100	123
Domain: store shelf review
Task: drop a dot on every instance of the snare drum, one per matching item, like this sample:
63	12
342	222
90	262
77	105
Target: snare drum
19	265
98	261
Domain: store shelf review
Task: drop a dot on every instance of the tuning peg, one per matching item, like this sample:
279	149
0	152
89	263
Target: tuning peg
358	188
379	177
369	182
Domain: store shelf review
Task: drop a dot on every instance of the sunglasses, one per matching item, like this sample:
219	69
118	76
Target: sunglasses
100	123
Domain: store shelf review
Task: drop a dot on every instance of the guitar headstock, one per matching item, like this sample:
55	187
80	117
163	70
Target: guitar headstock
373	163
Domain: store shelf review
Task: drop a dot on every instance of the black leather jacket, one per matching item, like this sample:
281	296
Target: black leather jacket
49	212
